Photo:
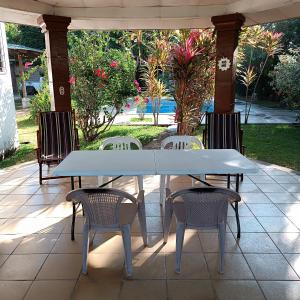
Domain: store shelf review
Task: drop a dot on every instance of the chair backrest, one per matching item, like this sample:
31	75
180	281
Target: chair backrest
102	206
121	143
223	131
202	207
181	142
57	134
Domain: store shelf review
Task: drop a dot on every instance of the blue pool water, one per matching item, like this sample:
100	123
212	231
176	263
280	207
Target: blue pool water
168	105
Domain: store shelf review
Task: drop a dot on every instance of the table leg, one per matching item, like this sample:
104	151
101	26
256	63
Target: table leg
162	188
237	182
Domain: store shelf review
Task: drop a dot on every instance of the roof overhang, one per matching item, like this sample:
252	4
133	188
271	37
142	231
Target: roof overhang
146	14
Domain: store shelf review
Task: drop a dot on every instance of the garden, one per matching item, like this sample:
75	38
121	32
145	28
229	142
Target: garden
112	72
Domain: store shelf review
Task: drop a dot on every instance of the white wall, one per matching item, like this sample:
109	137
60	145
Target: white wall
8	126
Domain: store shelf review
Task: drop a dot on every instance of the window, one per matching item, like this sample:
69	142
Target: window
2	57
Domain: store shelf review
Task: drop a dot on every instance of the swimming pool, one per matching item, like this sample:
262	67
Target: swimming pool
168	106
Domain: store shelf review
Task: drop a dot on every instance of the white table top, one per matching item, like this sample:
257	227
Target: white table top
154	162
208	161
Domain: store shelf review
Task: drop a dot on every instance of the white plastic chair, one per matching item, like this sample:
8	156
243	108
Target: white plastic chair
197	208
122	143
177	142
109	210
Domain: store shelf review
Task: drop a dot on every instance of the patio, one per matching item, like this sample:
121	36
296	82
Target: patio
38	258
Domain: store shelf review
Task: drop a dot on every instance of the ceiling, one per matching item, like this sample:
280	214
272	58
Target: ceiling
146	14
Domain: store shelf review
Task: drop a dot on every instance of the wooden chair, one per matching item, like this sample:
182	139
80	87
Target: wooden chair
56	138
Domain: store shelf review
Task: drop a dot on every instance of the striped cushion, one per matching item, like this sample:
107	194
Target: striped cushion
57	135
223	131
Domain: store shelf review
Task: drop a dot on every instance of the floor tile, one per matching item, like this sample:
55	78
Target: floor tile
294	261
13	290
281	197
30	211
277	224
144	289
191	243
8	243
265	210
153	210
290	209
193	266
238	290
261	179
108	243
291	187
45	199
210	242
270	188
37	243
257	243
61	266
248	224
22	267
296	195
149	266
64	244
8	211
270	267
243	211
190	290
284	179
235	266
14	199
281	290
49	290
254	198
103	266
247	188
26	190
89	289
287	242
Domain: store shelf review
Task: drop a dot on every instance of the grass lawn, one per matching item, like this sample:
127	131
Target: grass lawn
27	138
139	120
278	144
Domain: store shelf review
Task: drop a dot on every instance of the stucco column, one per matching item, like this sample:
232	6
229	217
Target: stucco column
55	29
227	29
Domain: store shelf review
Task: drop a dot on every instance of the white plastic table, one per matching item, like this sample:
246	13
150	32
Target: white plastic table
154	162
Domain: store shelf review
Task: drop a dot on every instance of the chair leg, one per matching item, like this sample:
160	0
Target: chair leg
73	222
238	225
162	188
85	248
126	235
180	229
168	181
72	183
41	173
79	182
228	181
142	220
237	183
140	183
222	232
242	177
167	220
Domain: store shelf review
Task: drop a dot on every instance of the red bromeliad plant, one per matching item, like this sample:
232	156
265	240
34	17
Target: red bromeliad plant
192	63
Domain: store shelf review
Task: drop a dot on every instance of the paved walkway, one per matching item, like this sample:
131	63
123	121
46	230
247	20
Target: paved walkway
259	115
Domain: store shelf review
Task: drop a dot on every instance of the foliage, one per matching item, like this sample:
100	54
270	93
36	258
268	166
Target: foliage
102	79
254	39
141	104
25	35
286	78
192	66
40	101
156	64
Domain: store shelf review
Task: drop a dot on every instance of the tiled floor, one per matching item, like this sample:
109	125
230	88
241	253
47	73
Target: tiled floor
39	261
